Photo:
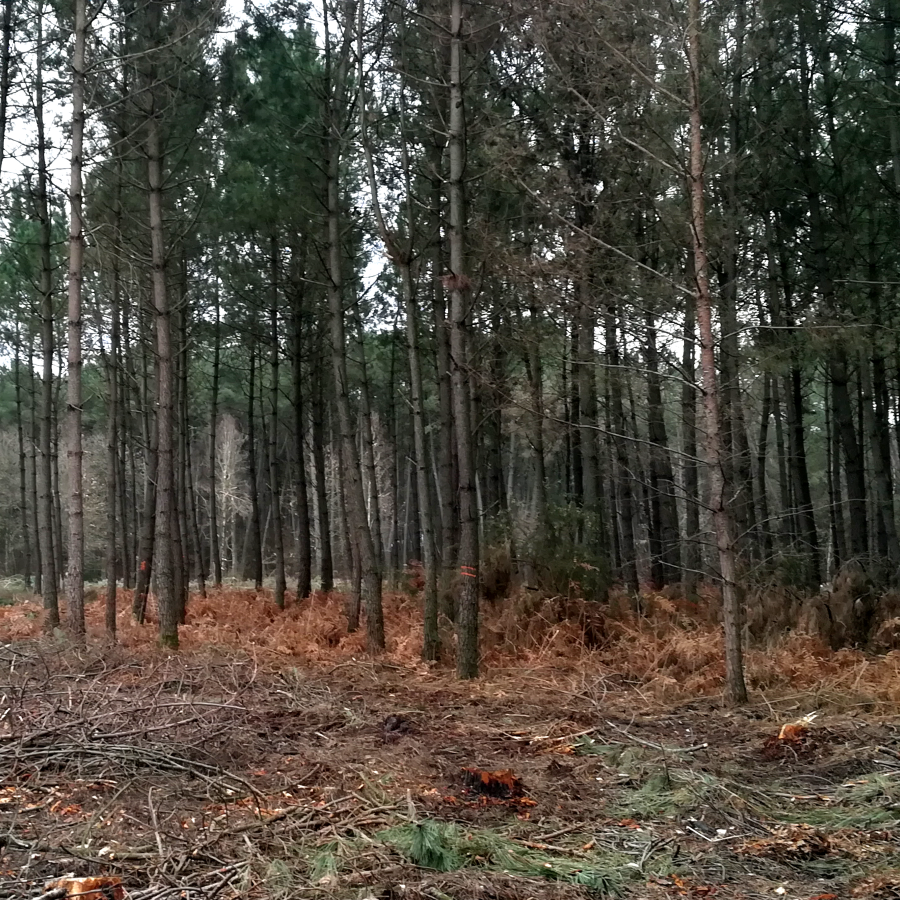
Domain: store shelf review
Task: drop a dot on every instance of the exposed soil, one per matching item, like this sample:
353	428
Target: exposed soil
218	774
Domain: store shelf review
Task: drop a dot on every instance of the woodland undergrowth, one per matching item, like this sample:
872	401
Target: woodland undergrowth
669	652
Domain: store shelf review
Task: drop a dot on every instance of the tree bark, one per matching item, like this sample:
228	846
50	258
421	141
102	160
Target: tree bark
326	558
666	564
255	548
624	477
5	66
736	690
164	559
274	475
23	461
49	582
692	557
403	262
74	449
112	443
33	475
215	548
356	501
762	455
301	487
368	448
460	301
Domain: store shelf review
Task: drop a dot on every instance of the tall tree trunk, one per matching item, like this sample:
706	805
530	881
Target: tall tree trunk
326	558
274	475
112	443
762	455
594	532
74	450
736	690
255	548
625	477
33	474
5	66
835	493
167	601
667	563
368	448
304	527
881	472
147	536
23	462
56	489
215	549
190	496
692	558
853	454
431	647
356	501
786	529
734	434
535	372
460	303
49	583
838	362
446	450
403	262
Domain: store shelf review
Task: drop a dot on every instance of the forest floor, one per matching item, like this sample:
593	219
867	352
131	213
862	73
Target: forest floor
230	771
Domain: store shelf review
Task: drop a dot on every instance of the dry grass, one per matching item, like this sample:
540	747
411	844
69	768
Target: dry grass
672	652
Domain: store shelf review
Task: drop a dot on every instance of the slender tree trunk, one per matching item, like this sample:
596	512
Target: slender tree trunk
625	477
49	581
215	548
356	501
56	489
835	493
534	368
164	558
368	448
786	527
5	66
23	461
147	537
112	445
662	478
460	303
33	474
431	647
403	262
190	496
853	454
350	552
326	559
572	418
736	690
734	434
395	561
843	411
691	558
74	451
274	475
880	471
128	490
304	527
255	548
446	450
762	455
